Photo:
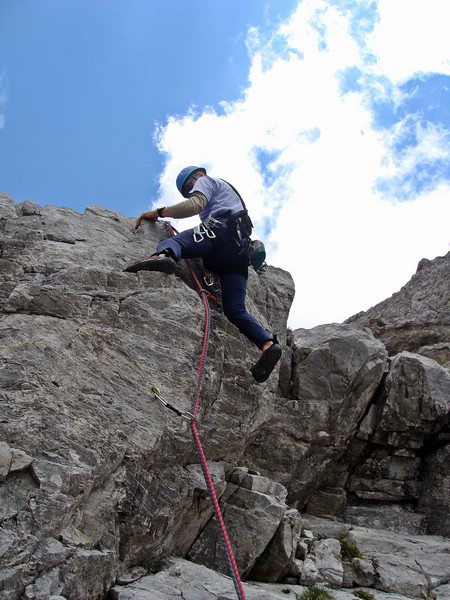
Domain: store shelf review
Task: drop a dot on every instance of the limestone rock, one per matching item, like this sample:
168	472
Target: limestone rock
412	414
435	501
99	479
417	392
7	207
255	506
336	372
417	318
180	578
278	559
329	562
5	460
408	565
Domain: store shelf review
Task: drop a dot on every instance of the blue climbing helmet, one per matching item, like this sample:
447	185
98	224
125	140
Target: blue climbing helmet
184	175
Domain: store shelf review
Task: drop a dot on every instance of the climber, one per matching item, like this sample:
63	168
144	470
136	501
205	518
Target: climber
214	240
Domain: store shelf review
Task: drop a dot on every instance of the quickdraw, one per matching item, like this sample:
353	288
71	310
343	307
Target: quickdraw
181	413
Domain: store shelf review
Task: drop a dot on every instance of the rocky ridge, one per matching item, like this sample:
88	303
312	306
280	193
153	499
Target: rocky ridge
345	447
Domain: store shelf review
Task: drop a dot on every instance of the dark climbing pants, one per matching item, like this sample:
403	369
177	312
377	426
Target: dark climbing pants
234	291
221	255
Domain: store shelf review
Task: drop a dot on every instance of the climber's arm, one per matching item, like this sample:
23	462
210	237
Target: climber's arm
188	208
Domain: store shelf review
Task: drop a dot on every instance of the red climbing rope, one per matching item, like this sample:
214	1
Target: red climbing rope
231	562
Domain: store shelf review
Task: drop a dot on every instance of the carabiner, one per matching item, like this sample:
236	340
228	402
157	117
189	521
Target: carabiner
198	233
208	278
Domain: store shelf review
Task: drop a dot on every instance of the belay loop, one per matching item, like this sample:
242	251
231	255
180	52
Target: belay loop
229	555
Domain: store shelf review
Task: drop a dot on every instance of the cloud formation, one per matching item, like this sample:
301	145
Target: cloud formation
340	145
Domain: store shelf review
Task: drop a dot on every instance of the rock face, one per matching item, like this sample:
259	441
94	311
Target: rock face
417	318
98	477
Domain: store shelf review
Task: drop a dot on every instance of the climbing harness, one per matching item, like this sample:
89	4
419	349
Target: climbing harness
240	226
192	416
211	222
209	278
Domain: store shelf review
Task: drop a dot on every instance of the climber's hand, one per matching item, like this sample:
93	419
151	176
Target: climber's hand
150	215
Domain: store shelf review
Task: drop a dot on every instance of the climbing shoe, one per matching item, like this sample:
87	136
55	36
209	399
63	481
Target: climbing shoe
266	364
155	262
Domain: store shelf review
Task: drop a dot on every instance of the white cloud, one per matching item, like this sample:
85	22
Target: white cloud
403	169
412	37
346	246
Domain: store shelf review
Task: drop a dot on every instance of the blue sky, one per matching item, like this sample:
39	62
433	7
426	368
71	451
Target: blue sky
332	118
85	81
